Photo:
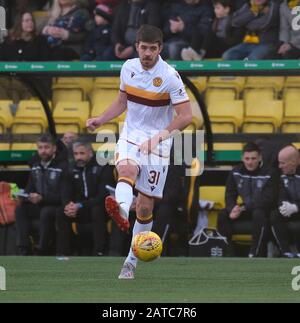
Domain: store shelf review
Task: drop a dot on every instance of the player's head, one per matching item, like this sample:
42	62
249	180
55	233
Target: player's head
46	147
252	156
149	44
83	153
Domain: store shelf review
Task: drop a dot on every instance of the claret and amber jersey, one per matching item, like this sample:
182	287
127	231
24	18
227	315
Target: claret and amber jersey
152	95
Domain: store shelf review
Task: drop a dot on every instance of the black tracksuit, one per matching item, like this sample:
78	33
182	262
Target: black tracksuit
46	182
258	191
85	186
289	192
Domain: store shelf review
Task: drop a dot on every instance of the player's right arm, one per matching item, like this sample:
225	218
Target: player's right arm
115	110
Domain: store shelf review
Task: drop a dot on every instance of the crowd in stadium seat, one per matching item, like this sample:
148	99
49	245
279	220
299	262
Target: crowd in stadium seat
193	29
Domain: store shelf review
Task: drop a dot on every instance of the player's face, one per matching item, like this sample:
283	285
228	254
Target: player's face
252	160
148	54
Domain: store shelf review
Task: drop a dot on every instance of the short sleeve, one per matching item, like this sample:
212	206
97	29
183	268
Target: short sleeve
122	78
177	89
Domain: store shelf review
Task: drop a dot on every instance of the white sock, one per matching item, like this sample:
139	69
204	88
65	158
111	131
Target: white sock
124	196
138	227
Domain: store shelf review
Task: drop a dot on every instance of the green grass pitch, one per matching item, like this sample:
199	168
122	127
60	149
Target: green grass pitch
167	280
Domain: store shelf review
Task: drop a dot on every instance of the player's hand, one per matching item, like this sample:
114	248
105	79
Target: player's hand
93	124
149	146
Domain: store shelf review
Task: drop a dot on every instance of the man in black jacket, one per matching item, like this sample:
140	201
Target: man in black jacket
257	187
83	200
44	196
288	211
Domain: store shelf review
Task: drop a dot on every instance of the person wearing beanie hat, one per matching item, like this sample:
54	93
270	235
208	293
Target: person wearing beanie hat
98	45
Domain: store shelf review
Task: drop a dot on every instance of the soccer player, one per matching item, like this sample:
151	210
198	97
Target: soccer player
150	91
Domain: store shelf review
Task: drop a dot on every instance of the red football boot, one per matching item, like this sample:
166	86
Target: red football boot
113	210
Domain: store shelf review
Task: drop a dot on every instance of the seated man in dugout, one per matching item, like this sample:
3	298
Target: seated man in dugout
83	201
257	186
42	197
287	215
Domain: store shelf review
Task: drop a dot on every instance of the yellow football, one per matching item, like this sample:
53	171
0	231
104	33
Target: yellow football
147	246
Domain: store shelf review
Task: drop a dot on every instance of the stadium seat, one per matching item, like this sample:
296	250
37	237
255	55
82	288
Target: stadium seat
263	117
107	83
291	94
216	95
292	82
227	82
252	96
276	83
197	122
226	116
101	99
217	195
66	88
84	83
291	120
4	146
6	117
200	82
71	116
30	118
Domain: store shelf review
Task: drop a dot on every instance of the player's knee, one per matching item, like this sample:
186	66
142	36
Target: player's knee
127	171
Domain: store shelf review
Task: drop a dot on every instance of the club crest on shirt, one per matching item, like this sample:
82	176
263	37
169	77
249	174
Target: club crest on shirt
157	82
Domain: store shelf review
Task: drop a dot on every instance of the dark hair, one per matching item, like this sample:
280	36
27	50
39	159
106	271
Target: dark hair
251	147
149	34
224	3
47	139
16	31
82	143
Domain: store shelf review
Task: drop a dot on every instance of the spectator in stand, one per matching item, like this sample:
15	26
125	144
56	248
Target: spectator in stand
66	29
257	187
290	38
260	19
186	23
221	36
98	45
22	43
288	212
83	200
68	139
130	15
44	191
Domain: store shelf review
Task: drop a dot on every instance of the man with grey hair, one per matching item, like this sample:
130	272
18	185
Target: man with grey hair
289	201
83	200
